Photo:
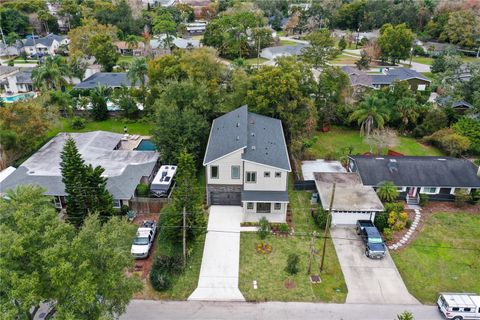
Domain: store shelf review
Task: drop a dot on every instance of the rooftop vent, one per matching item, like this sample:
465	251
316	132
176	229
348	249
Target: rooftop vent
238	138
392	166
393	160
253	148
379	158
253	134
252	121
442	159
238	124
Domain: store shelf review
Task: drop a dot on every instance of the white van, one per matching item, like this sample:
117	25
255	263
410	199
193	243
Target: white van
459	306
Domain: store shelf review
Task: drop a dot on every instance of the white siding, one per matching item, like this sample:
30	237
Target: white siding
350	218
276	216
263	183
225	169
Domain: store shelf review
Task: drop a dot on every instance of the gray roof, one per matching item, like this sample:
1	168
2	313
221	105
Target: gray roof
46	41
382	79
261	138
24	77
357	77
447	101
405	74
123	168
350	194
410	171
108	79
268	196
294	50
5	70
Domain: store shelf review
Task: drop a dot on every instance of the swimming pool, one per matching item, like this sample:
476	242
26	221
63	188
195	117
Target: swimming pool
17	97
146	145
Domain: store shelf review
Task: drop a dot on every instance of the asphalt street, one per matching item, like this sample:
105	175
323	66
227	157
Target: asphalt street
184	310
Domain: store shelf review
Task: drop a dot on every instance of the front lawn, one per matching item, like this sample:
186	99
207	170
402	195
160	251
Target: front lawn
344	59
331	144
113	125
444	257
269	269
424	60
253	61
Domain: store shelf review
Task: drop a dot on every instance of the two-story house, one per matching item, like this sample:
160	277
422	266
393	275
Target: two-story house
247	165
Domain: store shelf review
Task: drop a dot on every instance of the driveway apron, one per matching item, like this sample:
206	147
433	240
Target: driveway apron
218	279
368	280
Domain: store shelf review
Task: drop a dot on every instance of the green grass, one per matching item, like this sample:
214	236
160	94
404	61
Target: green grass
125	59
333	143
253	61
287	43
428	269
344	59
113	125
424	60
268	270
428	75
470	59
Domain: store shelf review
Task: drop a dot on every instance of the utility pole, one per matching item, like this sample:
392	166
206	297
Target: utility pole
184	239
1	31
327	227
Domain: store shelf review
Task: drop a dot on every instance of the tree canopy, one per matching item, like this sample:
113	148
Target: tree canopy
395	42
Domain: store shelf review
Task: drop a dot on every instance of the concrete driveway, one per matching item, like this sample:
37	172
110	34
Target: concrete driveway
218	279
368	280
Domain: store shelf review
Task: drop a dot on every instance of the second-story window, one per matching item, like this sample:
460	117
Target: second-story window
214	172
235	172
251	177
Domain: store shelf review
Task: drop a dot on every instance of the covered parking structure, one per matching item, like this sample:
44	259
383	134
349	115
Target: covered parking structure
352	200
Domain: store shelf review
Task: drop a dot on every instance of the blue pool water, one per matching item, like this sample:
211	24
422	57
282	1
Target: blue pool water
146	145
17	97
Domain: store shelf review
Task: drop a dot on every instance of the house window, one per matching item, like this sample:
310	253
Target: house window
401	189
116	203
429	190
214	172
251	176
249	205
266	174
277	206
58	202
278	174
421	87
235	172
264	207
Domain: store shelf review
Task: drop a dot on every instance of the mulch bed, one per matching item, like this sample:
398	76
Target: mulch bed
397	235
263	248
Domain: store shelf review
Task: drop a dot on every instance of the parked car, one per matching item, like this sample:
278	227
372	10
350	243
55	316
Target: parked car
144	238
374	246
459	306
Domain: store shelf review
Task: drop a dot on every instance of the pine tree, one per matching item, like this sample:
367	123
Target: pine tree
99	199
73	171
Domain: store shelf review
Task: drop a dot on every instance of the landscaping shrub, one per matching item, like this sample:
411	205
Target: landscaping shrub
476	196
387	232
381	221
393	206
283	228
406	315
263	228
77	123
448	140
461	197
320	218
423	199
143	190
124	210
388	191
292	263
469	128
403	216
163	268
408	223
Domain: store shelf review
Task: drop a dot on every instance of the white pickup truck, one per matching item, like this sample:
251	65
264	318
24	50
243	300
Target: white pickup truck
143	241
459	306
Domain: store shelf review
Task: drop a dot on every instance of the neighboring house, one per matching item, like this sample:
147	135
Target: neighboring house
438	177
106	79
197	27
124	48
125	169
352	200
10	50
435	48
271	53
460	106
158	44
14	81
163	3
47	45
247	165
360	80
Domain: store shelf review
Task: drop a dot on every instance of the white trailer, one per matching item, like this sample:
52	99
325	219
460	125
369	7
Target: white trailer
459	306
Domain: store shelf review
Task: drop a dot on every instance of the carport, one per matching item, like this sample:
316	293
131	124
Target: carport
352	201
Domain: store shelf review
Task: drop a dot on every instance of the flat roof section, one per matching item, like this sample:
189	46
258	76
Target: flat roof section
350	194
309	167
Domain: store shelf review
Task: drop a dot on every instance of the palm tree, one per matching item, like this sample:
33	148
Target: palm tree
138	71
51	73
132	42
387	191
407	111
371	112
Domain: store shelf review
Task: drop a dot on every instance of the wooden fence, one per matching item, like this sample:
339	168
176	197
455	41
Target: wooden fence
148	205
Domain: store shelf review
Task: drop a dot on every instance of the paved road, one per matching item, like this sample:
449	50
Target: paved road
218	279
180	310
368	280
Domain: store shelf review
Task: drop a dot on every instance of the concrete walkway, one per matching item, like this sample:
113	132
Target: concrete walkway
218	279
368	280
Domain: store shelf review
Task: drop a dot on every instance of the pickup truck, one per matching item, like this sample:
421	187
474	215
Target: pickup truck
144	238
374	246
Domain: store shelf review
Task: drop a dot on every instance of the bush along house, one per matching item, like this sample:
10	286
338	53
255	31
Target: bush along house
437	177
247	165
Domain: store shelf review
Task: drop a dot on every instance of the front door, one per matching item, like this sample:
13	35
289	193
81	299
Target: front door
412	191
